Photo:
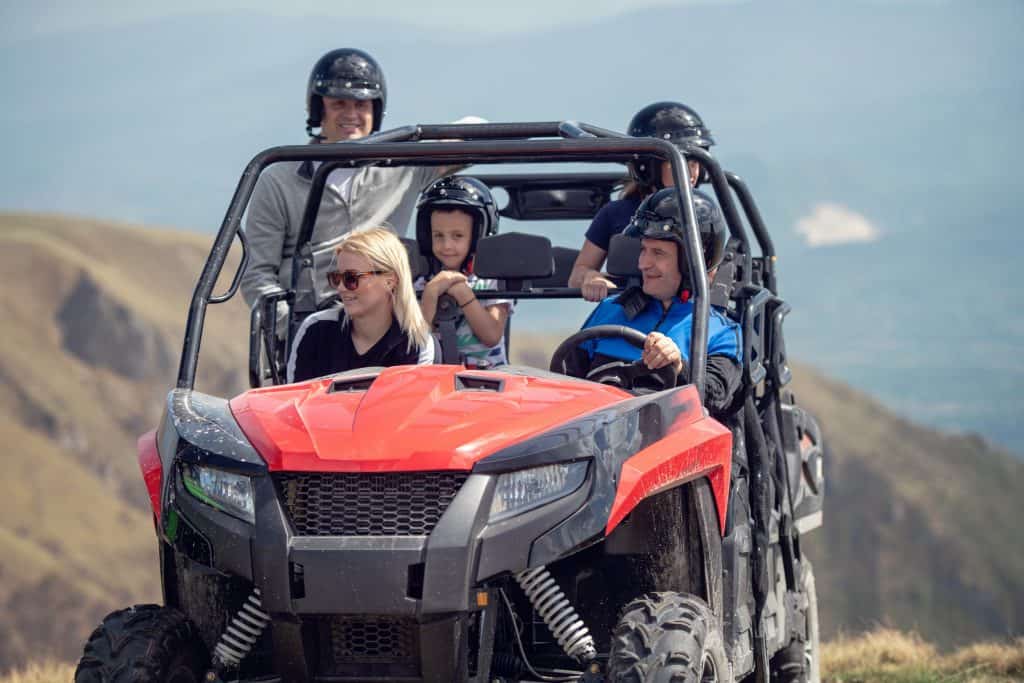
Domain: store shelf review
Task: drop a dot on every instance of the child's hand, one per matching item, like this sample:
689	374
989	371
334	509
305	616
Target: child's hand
444	280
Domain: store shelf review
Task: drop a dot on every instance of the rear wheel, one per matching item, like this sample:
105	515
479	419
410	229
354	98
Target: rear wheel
143	643
668	637
799	662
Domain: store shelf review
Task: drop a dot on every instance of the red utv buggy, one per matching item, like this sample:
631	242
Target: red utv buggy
435	523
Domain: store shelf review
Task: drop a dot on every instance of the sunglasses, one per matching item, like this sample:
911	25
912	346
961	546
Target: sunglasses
349	278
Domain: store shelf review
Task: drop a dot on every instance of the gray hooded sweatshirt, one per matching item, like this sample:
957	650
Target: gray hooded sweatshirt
375	196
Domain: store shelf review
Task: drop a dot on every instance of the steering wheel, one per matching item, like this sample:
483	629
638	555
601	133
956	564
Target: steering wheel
620	373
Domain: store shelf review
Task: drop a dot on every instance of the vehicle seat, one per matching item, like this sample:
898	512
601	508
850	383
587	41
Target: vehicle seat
724	282
623	260
418	264
564	258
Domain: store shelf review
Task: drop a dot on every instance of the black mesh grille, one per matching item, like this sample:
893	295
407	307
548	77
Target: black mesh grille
369	646
373	639
375	504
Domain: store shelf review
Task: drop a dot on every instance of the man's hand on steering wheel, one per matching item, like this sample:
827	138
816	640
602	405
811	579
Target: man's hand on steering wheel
655	370
660	351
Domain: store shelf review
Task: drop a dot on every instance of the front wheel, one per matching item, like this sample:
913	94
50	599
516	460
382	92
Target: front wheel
143	643
668	637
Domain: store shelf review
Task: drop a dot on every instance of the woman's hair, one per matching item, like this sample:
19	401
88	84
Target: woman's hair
634	189
385	251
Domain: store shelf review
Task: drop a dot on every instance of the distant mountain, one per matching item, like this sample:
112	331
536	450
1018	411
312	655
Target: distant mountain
921	528
906	113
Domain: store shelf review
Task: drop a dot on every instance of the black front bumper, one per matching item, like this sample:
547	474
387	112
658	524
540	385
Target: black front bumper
428	595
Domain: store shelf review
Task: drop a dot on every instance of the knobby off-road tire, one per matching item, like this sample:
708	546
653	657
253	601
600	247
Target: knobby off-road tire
800	661
143	643
668	637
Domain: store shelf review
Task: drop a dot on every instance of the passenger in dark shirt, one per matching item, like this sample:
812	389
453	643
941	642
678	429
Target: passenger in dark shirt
670	121
379	322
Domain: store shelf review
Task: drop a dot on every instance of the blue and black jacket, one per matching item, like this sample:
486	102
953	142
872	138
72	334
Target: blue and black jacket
634	309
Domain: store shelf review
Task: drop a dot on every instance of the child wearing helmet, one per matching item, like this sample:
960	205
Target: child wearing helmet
452	215
661	308
672	121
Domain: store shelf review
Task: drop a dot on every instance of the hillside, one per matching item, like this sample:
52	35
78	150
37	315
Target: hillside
93	314
920	527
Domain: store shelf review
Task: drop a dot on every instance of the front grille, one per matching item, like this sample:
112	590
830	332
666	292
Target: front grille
369	644
374	504
373	639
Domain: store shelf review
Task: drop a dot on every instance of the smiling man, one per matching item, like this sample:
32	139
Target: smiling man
346	99
661	308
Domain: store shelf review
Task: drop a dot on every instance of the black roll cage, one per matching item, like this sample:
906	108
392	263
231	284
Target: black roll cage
458	145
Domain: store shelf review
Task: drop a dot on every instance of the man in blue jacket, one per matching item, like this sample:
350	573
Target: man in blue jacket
661	308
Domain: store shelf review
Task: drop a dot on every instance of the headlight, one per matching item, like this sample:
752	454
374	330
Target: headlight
524	490
228	492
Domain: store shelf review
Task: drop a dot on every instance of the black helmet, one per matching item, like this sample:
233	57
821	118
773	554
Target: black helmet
658	217
457	192
345	73
670	121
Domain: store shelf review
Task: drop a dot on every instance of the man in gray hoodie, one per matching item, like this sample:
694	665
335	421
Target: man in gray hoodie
346	99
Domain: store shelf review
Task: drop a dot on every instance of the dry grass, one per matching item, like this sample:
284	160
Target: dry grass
882	648
890	656
47	672
990	658
881	656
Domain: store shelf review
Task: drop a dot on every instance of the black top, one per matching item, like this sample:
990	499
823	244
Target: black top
323	346
611	220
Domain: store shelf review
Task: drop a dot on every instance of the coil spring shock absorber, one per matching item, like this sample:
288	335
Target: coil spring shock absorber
554	608
241	634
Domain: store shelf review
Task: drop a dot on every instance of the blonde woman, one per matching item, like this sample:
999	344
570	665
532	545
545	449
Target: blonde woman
379	322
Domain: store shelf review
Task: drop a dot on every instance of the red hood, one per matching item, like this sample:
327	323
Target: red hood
411	418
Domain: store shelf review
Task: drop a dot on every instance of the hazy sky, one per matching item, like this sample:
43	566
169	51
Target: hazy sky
24	18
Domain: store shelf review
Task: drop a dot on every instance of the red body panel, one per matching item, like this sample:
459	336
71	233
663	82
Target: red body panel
152	470
412	418
703	448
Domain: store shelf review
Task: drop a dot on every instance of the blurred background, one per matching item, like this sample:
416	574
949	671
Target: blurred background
881	140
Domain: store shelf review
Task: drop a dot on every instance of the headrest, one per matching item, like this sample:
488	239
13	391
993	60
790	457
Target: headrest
514	256
417	262
624	257
565	259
